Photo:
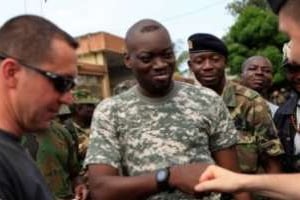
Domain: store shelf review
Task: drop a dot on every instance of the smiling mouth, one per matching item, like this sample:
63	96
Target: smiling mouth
260	82
161	76
258	79
210	77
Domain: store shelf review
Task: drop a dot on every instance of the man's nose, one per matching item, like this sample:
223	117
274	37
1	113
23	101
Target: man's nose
67	98
160	63
207	65
259	71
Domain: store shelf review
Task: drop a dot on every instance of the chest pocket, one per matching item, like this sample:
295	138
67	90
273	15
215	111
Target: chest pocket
247	149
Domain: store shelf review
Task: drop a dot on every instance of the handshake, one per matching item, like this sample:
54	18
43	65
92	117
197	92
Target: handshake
217	179
277	186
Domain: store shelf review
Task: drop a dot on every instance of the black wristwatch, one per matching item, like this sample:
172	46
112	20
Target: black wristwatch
162	179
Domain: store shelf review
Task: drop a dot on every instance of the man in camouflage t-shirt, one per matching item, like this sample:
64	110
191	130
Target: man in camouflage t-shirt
151	142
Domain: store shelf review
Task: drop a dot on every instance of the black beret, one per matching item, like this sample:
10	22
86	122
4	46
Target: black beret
206	42
276	5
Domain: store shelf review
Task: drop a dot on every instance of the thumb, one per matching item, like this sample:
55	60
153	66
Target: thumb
208	186
208	174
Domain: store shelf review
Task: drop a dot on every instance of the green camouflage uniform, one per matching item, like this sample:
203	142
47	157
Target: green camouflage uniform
257	134
137	134
81	96
53	151
83	135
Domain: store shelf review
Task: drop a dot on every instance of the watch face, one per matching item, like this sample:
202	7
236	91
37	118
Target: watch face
162	175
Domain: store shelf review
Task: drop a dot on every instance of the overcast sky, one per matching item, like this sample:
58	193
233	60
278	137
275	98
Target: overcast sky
79	17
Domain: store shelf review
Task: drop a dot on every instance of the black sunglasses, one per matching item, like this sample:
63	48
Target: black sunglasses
61	83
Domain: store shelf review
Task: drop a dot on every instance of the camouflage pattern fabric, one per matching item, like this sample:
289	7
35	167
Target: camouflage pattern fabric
258	137
123	86
56	158
84	96
83	135
137	134
64	110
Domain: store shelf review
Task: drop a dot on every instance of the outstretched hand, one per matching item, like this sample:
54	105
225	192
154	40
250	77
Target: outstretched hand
217	179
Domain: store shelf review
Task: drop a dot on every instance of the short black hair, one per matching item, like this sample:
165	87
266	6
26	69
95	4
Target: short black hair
250	59
141	27
29	38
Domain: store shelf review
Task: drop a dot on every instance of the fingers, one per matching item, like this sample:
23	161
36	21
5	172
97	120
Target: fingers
76	198
207	186
217	179
209	180
208	174
81	192
85	194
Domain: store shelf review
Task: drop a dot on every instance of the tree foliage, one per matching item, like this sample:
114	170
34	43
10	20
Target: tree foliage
255	32
238	6
181	56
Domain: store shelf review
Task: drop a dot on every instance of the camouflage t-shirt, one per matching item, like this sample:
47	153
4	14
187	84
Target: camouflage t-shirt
137	134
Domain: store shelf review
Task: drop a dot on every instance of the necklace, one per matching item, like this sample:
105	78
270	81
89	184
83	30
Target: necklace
294	123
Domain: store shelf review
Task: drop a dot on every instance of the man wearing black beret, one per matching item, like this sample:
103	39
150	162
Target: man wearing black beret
258	143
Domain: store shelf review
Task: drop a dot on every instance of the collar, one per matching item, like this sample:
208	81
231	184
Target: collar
5	135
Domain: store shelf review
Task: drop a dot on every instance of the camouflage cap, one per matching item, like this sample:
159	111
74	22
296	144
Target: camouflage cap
84	96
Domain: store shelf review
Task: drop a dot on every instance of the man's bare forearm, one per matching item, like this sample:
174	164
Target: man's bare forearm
281	186
272	165
126	188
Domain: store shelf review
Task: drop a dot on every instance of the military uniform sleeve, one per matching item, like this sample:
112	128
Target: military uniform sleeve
103	145
73	162
223	132
264	129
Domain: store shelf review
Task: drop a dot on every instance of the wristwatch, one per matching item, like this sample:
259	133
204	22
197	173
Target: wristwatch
162	179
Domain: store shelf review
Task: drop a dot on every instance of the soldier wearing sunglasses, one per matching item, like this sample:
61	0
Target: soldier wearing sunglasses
37	72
